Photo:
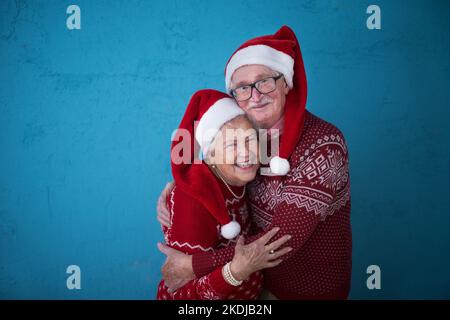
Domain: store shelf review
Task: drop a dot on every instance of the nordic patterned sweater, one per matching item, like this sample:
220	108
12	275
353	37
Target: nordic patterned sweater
193	230
311	203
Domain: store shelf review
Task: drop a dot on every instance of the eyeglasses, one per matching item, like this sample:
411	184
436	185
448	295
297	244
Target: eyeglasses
266	85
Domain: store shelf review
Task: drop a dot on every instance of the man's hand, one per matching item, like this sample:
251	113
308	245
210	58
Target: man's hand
163	214
258	255
177	270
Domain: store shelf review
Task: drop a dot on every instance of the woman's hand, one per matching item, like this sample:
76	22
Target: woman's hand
257	255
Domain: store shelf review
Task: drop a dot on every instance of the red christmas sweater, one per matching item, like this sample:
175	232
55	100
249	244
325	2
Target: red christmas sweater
311	203
194	230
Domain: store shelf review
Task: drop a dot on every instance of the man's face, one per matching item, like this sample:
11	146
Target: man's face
264	110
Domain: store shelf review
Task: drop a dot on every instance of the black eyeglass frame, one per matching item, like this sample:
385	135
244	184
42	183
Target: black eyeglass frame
253	85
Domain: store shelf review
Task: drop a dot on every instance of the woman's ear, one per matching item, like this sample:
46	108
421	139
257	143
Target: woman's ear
211	154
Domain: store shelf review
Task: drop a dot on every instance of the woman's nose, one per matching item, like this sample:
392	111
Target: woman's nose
245	153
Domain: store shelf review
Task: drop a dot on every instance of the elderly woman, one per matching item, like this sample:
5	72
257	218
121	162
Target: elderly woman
208	208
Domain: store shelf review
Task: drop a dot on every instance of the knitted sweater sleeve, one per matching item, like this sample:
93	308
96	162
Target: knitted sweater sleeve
312	190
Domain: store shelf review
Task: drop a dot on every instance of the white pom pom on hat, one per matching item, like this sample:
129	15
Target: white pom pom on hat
279	166
230	230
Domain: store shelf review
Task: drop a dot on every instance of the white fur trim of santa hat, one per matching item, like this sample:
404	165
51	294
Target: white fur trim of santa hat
218	114
264	55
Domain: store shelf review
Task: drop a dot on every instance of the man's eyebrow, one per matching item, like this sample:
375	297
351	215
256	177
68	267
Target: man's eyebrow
257	78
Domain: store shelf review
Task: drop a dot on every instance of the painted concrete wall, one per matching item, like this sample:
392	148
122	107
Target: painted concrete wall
86	117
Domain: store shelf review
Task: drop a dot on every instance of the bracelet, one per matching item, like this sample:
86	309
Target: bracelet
228	276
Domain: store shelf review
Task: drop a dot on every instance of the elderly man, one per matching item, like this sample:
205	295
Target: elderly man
305	190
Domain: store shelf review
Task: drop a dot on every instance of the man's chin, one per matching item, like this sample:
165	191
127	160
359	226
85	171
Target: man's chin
260	122
257	117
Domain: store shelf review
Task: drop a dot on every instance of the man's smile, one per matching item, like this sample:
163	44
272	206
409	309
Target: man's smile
259	106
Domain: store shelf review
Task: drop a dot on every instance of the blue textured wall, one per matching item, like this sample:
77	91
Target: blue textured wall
86	117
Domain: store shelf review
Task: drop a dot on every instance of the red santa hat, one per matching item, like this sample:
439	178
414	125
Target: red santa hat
211	110
280	52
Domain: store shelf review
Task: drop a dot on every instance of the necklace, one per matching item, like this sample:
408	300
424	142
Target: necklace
228	187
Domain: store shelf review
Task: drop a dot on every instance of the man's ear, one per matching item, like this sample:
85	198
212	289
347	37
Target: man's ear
286	88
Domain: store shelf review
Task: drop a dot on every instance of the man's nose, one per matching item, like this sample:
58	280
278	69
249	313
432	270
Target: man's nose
256	96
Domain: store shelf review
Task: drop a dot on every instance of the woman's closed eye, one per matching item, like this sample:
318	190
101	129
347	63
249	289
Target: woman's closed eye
232	145
235	143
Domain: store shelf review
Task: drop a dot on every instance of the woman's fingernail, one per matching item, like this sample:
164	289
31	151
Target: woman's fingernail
290	249
289	237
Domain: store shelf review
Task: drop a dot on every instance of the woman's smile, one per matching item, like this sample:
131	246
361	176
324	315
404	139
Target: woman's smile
245	166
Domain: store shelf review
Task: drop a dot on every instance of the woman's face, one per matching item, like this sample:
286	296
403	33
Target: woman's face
234	152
